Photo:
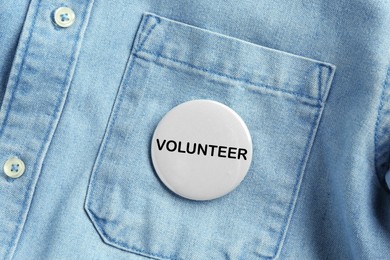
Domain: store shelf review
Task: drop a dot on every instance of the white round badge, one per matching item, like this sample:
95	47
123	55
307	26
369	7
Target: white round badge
201	150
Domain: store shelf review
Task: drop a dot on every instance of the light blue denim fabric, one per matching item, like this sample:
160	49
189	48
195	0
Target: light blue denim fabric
79	106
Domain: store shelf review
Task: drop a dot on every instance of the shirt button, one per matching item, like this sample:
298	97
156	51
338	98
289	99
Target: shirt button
14	167
64	17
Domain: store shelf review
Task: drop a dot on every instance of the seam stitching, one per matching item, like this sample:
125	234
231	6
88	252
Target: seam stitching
125	246
101	155
302	169
245	88
226	76
12	243
92	184
148	33
320	81
379	121
39	156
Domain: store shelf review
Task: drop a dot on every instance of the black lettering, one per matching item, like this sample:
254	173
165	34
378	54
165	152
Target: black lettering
160	146
179	149
212	148
188	148
242	152
231	153
174	145
204	150
221	150
201	149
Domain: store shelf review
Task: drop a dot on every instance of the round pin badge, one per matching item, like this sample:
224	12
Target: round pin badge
201	150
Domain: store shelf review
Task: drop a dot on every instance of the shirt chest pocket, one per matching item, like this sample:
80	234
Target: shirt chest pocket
280	96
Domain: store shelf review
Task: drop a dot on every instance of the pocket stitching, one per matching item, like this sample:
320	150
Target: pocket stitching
142	40
307	99
314	126
292	204
122	245
297	187
316	63
87	206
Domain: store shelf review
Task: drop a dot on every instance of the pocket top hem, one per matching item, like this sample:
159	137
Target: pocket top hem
233	58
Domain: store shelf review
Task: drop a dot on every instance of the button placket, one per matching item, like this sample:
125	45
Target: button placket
36	91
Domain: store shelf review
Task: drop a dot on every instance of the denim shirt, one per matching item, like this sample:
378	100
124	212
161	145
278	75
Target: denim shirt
79	105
